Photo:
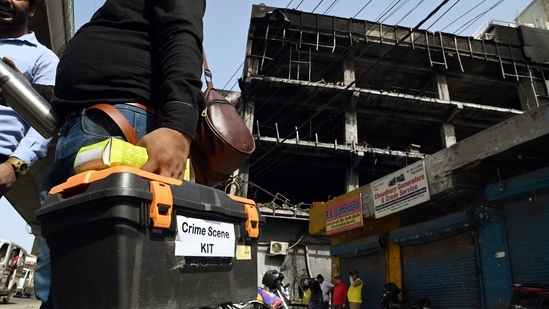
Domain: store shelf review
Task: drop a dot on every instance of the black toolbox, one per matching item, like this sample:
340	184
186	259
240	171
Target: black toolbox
125	238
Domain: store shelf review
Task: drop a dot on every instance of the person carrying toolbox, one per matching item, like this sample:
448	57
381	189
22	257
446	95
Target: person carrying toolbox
144	59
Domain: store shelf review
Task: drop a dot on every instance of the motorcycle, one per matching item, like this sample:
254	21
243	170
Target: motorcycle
389	299
273	295
530	296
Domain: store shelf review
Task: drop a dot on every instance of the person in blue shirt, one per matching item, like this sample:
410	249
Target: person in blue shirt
21	145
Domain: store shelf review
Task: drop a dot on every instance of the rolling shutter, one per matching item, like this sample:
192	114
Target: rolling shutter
444	270
526	222
372	269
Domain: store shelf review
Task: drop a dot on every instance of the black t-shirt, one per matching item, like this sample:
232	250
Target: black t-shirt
147	51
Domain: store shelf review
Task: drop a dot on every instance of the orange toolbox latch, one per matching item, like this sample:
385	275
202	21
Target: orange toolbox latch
252	223
161	205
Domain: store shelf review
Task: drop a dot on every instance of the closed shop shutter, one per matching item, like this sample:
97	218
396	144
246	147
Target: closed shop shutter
373	272
444	270
526	221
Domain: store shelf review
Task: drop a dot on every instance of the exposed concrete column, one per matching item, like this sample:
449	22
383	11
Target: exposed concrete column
351	123
448	135
446	130
351	179
244	171
241	190
251	67
252	63
351	126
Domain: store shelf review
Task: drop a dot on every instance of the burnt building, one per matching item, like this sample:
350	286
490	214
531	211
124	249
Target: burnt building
335	103
339	106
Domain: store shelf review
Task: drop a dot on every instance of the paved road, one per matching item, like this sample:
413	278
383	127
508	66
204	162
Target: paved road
21	303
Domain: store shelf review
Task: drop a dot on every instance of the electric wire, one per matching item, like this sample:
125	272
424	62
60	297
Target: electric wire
359	11
272	162
416	28
354	82
410	12
317	6
463	15
330	7
297	7
289	106
279	110
242	63
255	173
435	22
387	10
442	15
355	15
286	106
476	18
395	10
442	43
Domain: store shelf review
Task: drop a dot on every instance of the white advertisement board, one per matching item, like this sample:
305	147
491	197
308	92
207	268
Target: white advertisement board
402	189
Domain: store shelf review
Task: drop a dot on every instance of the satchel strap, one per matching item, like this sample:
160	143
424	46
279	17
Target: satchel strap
208	75
119	119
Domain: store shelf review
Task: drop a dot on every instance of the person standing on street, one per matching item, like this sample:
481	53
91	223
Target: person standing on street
326	288
144	58
317	300
339	294
20	145
354	295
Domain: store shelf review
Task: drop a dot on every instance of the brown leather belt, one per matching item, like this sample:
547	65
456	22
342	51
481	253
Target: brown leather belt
119	119
149	109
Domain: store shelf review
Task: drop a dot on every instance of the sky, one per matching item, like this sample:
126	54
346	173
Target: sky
226	24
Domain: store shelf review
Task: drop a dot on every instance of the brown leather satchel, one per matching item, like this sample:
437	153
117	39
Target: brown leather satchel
222	142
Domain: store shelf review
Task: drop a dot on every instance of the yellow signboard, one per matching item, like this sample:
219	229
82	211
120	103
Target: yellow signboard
344	215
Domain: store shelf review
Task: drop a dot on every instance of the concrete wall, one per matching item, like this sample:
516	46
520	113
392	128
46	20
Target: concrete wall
535	15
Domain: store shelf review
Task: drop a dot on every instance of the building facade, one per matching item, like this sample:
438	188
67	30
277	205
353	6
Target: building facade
345	110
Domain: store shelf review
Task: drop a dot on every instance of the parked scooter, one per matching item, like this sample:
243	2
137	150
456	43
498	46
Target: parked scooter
530	296
389	299
274	293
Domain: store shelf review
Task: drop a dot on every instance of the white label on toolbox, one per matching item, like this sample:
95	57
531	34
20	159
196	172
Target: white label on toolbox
199	237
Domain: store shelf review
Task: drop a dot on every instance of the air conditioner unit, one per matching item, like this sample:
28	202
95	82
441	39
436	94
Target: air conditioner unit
278	248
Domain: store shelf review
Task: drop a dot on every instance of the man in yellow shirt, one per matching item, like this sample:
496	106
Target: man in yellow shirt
354	294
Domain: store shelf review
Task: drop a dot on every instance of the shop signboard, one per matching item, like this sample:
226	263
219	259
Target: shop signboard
344	213
402	189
